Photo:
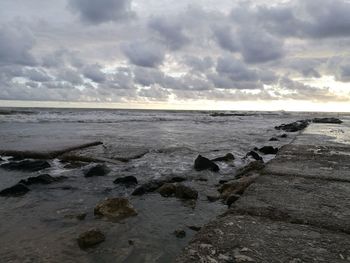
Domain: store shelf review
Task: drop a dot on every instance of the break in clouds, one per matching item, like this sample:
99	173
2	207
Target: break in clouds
140	51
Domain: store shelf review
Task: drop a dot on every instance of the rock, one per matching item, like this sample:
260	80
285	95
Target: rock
294	126
14	191
1	160
201	163
274	139
90	238
115	209
223	181
284	135
213	198
185	192
41	179
195	228
231	199
148	187
167	190
177	179
131	242
26	165
97	170
79	217
74	165
228	157
254	155
251	167
179	233
236	187
268	150
327	120
128	181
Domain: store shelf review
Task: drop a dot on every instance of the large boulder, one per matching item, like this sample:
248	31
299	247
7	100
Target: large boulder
127	181
26	165
115	208
228	157
268	150
14	191
294	126
97	170
90	238
201	163
327	120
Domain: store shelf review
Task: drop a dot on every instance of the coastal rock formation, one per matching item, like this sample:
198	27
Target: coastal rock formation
236	187
251	167
115	209
97	170
26	165
14	191
127	181
327	120
268	150
90	238
294	126
228	157
201	163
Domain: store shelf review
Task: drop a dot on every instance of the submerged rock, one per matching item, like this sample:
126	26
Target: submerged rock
274	139
284	135
154	185
41	179
115	209
97	170
185	192
90	238
268	150
167	190
26	165
128	181
14	191
201	163
195	228
79	217
228	157
254	155
179	233
327	120
294	126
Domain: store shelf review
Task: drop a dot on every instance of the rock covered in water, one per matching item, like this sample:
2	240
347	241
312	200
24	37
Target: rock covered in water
180	233
254	155
128	181
268	150
274	139
41	179
115	208
26	165
15	191
201	163
97	170
294	126
228	157
284	135
178	190
90	238
327	120
167	190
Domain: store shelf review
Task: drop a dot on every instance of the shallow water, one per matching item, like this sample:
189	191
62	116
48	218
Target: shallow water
33	228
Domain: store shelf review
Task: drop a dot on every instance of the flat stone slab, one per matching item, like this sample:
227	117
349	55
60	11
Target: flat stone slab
299	200
324	162
244	238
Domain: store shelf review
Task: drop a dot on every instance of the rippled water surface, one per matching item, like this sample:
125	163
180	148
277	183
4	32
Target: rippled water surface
35	227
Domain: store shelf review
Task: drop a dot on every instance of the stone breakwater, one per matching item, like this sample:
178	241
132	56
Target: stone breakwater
297	210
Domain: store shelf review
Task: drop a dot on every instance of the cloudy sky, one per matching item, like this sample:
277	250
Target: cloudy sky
206	54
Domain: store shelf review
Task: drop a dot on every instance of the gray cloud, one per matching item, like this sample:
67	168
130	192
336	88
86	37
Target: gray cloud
97	12
94	73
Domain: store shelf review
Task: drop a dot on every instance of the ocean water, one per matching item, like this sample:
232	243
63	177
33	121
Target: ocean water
35	227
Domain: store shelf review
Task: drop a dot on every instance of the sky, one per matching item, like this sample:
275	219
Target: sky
176	54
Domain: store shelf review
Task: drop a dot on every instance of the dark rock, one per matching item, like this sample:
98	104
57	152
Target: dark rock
213	198
185	192
228	157
131	242
274	139
97	170
223	181
1	160
251	167
254	155
195	228
179	233
284	135
26	165
201	163
294	126
128	181
327	120
115	208
14	191
41	179
79	217
236	187
167	190
148	187
268	150
231	199
176	179
90	238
